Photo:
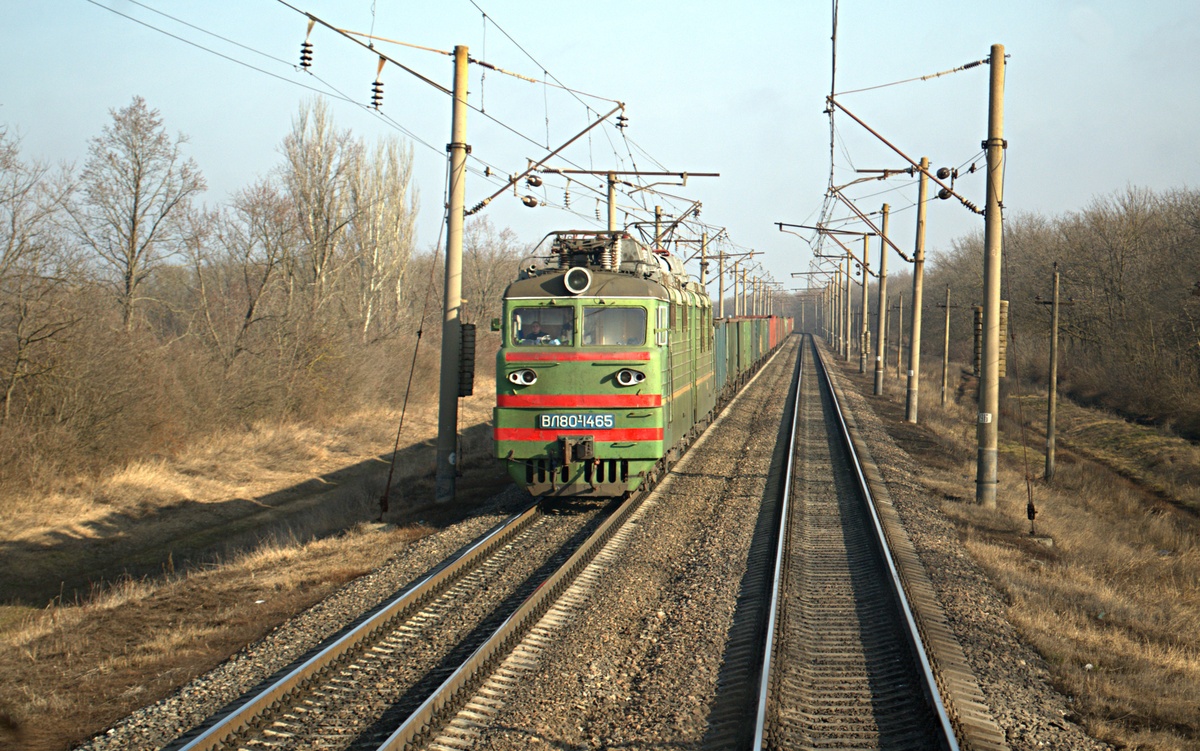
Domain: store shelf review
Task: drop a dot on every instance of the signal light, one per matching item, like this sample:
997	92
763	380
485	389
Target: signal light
306	55
376	94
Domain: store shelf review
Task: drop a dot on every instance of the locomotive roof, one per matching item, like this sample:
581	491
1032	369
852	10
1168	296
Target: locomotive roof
620	267
604	284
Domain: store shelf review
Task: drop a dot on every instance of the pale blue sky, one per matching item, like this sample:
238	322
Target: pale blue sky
1100	95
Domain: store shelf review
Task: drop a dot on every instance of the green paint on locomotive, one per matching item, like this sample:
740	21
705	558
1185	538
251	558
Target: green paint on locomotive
597	378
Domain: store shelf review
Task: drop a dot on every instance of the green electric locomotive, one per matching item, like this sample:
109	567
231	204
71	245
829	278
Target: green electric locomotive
608	367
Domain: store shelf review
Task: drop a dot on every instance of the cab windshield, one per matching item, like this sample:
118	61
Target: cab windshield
533	327
610	326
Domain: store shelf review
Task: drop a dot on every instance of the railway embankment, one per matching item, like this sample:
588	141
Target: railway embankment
1090	632
114	597
1091	619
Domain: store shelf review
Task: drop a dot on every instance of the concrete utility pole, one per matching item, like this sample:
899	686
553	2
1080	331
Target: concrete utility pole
733	277
1052	405
836	303
613	177
946	350
612	201
986	477
830	306
743	298
864	334
447	441
733	281
721	284
914	341
839	309
882	305
848	314
899	333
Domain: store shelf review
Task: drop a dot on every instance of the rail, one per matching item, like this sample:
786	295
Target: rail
246	715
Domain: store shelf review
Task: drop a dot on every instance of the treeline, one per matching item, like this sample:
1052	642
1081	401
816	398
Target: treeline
1130	277
134	318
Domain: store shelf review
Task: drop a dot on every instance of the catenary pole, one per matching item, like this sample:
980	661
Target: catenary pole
721	284
882	305
745	311
986	477
914	341
447	441
835	302
848	313
946	351
612	201
864	333
1051	411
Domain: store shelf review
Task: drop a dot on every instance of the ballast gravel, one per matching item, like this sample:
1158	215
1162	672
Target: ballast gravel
639	667
157	725
1015	679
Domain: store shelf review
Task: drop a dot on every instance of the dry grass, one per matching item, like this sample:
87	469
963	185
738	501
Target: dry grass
1114	605
251	463
81	663
221	495
71	670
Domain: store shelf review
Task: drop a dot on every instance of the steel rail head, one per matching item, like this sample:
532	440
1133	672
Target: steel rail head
243	717
420	721
913	629
780	550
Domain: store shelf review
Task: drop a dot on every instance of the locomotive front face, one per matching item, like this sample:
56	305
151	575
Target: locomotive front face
579	388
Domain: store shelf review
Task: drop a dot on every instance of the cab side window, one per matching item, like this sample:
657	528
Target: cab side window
533	327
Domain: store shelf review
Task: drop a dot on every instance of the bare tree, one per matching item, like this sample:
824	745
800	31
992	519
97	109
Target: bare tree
320	163
233	281
381	232
136	187
490	259
35	268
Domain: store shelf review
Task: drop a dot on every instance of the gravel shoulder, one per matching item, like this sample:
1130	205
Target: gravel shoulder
640	667
1015	679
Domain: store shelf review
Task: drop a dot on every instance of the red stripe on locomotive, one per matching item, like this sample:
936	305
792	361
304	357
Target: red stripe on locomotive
614	435
579	400
574	356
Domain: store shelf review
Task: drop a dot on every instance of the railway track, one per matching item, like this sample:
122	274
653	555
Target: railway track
403	670
851	661
350	690
845	664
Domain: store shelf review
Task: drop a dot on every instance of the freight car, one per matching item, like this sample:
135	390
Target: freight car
611	364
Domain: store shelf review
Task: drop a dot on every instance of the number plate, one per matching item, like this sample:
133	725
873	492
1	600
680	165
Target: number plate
575	421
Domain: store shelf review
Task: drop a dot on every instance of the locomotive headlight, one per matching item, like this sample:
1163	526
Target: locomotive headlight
577	280
627	377
523	377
